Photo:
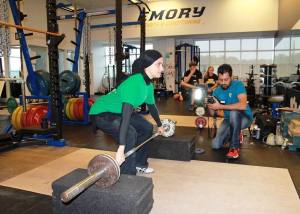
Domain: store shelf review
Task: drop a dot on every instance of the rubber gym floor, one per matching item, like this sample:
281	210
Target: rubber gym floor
15	163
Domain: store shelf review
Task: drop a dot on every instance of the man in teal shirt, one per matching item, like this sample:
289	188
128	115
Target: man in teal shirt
114	113
231	97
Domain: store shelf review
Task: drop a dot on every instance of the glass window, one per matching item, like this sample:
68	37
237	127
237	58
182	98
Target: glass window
248	44
233	45
204	58
203	45
266	44
282	57
69	65
248	57
217	45
295	57
109	50
14	63
295	42
265	57
232	57
284	44
217	58
149	46
15	52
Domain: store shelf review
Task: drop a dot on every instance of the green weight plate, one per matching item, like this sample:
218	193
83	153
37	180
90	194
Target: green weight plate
11	104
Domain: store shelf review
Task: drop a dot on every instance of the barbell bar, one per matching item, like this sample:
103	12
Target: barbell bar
109	172
29	29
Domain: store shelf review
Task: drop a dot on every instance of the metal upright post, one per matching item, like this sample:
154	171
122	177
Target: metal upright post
119	48
142	20
53	42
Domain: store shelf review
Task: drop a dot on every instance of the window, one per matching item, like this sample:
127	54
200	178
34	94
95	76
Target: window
248	44
295	43
217	45
233	57
265	57
282	57
15	62
241	53
266	44
248	57
284	44
233	45
203	45
69	65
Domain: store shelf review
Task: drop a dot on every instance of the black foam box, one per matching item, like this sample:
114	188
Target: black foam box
131	194
180	146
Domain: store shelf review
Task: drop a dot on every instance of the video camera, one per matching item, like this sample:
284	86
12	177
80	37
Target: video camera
210	100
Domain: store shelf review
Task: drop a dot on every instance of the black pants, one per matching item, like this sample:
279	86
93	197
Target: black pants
139	130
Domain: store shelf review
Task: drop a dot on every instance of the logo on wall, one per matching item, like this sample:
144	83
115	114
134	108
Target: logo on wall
183	13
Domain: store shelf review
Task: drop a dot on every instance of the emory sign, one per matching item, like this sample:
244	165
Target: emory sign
176	13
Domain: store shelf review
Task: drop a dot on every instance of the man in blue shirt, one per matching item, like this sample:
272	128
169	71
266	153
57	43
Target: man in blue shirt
231	97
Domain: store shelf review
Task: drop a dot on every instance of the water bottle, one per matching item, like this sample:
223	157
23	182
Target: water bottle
278	134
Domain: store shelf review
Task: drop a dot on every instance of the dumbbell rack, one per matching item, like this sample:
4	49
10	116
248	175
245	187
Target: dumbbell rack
267	74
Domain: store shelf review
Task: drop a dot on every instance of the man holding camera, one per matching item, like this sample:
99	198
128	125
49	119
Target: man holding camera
230	96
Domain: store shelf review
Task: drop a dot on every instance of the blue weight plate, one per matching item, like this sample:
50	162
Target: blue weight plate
41	84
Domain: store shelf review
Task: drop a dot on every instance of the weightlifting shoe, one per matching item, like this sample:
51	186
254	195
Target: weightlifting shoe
144	170
233	153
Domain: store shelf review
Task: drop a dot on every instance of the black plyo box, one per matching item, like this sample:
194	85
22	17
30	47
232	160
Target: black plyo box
131	194
180	146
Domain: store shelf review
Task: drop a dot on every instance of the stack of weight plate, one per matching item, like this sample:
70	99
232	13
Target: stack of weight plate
74	108
29	119
42	81
69	82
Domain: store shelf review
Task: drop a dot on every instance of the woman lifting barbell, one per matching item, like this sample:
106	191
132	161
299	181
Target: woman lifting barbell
114	113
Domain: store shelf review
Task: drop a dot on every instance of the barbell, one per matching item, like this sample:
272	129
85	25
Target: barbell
104	169
20	27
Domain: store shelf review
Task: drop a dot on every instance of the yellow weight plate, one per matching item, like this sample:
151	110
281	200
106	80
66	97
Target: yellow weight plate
19	119
68	109
72	115
15	117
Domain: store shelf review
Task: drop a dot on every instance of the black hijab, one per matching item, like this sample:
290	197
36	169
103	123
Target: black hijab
146	59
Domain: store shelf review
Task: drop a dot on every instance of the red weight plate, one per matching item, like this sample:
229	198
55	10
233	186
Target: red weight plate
80	109
23	119
76	109
30	116
39	115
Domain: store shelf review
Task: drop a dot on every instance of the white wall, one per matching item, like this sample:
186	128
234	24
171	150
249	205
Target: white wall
98	52
167	49
220	16
36	11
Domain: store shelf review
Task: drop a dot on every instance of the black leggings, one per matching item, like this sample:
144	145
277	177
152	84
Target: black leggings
138	131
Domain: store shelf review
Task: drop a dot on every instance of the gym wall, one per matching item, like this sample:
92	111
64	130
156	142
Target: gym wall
218	17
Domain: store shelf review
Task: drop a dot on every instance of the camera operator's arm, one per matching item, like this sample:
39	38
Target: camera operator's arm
240	105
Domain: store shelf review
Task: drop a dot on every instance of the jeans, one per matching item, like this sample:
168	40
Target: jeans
231	128
139	130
